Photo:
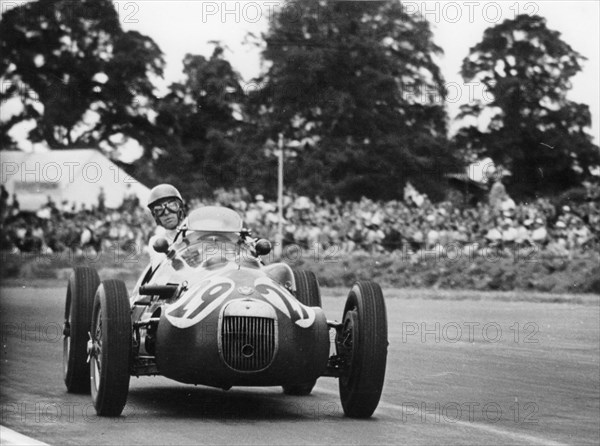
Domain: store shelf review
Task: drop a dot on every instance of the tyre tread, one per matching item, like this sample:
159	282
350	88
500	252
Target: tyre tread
114	380
308	291
361	397
82	286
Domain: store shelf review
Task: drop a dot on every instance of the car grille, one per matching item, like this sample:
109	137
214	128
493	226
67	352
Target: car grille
247	343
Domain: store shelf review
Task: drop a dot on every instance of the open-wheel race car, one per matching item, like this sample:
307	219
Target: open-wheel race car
211	313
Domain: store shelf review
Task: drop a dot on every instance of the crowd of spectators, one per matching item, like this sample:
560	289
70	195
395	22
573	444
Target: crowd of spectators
418	225
56	228
412	225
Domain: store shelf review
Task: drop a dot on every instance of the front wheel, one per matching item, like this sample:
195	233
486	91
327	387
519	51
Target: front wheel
81	290
363	346
110	348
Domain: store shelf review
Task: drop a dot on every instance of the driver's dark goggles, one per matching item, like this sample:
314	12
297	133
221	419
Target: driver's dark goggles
172	206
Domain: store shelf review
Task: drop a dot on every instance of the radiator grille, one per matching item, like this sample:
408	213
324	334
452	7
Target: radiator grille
248	343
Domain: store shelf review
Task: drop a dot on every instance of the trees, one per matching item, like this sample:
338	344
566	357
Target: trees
534	130
355	85
200	121
76	73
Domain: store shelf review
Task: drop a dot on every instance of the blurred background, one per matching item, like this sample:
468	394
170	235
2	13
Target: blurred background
406	129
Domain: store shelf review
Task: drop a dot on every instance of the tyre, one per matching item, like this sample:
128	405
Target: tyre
81	290
363	346
309	294
307	288
110	356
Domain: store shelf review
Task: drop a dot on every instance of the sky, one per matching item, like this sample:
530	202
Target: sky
181	27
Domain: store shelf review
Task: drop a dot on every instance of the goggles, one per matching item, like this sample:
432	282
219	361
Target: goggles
172	206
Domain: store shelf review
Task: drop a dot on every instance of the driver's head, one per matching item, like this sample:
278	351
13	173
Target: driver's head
166	205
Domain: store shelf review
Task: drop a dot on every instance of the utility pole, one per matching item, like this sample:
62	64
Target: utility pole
279	236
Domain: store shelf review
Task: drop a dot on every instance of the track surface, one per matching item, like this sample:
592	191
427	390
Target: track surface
459	372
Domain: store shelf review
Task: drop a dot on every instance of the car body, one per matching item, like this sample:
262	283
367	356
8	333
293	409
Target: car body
211	313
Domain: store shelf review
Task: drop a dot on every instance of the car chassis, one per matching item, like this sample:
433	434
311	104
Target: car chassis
212	313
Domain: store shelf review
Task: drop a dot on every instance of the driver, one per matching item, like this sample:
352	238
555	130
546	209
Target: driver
166	205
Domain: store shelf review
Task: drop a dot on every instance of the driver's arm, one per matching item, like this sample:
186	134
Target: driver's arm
155	257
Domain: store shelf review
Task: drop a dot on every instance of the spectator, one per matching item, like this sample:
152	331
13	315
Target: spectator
581	234
509	234
433	237
539	235
494	234
3	196
523	233
373	238
497	194
365	225
102	199
16	207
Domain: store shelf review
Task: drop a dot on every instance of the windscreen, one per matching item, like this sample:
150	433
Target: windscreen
211	237
214	219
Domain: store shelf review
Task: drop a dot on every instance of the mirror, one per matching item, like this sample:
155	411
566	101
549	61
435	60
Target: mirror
161	245
263	247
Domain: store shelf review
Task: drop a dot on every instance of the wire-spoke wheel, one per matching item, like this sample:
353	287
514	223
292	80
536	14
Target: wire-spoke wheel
110	348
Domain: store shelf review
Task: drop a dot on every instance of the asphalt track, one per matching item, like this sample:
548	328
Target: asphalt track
460	371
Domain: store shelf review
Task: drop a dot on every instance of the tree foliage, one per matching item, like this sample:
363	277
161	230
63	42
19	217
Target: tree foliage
354	85
534	130
77	74
201	120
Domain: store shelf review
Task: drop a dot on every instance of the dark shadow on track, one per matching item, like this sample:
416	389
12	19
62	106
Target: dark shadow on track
239	404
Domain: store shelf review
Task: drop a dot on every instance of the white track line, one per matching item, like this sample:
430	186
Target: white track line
477	426
9	437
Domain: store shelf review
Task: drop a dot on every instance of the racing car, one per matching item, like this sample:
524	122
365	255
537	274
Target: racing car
211	312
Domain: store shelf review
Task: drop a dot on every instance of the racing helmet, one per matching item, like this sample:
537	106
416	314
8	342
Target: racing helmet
161	192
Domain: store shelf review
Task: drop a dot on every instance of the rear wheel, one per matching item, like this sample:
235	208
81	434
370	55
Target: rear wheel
110	348
309	294
363	346
81	290
307	288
